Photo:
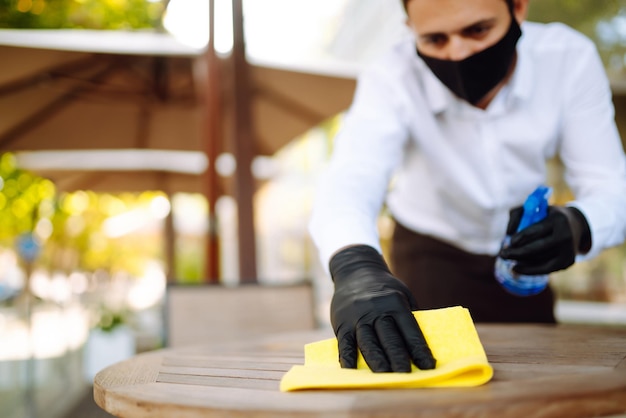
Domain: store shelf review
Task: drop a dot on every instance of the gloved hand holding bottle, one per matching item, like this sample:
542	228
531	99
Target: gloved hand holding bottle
548	245
371	311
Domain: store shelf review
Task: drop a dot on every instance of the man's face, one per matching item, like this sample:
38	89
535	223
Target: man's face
456	29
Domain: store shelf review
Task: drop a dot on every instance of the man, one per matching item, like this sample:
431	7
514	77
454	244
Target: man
463	116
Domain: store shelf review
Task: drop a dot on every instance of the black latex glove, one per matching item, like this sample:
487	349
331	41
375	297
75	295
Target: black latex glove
548	245
371	310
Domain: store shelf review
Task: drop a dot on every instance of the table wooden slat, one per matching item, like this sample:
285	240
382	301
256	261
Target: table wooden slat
234	358
540	371
223	363
213	372
221	381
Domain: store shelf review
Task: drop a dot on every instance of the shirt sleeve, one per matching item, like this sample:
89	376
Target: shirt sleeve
591	150
352	189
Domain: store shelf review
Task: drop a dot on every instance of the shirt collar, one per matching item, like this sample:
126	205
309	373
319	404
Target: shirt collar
438	96
522	80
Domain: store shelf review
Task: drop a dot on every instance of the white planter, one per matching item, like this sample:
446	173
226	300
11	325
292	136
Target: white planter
105	348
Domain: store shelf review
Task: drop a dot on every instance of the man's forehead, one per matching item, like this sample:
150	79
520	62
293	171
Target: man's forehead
508	2
450	15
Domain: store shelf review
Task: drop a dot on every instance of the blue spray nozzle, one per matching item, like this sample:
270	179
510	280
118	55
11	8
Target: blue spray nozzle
535	207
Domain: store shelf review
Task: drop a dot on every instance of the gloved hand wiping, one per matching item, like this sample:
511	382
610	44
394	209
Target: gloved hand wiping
371	311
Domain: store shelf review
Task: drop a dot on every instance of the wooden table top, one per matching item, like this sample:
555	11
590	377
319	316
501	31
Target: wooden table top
539	371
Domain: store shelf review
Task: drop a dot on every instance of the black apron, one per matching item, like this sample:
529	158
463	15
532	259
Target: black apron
441	275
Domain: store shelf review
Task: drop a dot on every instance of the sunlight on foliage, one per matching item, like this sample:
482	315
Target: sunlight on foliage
72	227
84	14
23	200
602	21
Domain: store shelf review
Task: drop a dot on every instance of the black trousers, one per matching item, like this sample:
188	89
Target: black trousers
441	275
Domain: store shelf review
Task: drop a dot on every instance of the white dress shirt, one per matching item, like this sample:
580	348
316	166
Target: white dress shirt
457	170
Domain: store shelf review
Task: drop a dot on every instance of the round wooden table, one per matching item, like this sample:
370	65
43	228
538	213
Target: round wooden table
540	371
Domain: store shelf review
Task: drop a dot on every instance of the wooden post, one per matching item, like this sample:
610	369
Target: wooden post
213	133
243	146
169	246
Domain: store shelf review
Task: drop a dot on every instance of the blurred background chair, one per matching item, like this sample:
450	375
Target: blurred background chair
199	314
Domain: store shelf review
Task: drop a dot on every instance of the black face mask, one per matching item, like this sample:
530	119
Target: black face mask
473	77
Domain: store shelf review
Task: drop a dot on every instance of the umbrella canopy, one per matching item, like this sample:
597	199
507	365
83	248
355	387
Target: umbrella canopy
67	89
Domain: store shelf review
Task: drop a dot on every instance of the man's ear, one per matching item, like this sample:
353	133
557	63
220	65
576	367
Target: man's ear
520	10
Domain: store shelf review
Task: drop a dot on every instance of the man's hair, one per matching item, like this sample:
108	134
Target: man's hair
406	2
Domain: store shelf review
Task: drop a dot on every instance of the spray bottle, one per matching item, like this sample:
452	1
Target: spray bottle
535	209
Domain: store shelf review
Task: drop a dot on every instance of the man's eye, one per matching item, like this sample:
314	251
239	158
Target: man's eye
477	30
435	40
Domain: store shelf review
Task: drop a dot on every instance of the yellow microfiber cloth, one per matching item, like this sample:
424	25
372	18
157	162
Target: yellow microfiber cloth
451	336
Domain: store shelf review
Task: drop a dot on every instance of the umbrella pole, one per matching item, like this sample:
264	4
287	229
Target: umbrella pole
170	244
243	145
211	183
213	134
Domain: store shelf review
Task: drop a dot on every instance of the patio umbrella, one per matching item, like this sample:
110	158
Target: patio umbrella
80	89
94	90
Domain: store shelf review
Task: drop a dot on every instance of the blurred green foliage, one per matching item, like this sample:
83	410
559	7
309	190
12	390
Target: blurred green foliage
72	226
581	14
23	199
83	14
601	20
109	320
